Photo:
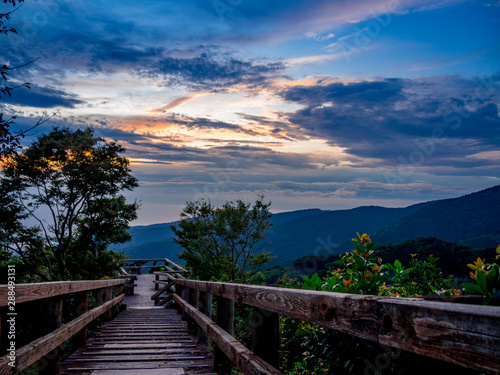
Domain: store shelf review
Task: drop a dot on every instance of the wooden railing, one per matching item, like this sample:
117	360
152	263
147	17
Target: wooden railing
41	305
465	335
166	279
137	265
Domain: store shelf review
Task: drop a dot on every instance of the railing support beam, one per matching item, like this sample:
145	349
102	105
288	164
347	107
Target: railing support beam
266	335
82	306
49	364
225	320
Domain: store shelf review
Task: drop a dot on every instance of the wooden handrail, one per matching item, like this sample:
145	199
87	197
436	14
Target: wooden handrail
466	335
35	350
51	294
36	291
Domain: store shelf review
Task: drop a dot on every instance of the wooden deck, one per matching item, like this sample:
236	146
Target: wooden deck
143	339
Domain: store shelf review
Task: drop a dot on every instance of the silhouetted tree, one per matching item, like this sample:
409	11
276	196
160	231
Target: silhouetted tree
225	243
69	183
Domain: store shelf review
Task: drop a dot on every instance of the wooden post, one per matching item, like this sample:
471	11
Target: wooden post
225	320
108	295
193	297
185	297
178	291
82	306
193	301
266	336
205	305
49	364
157	278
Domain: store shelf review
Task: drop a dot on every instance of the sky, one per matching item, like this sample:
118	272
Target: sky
312	104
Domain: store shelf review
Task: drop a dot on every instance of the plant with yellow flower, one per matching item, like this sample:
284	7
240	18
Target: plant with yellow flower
486	278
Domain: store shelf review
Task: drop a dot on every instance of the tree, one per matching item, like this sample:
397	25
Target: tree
225	243
69	183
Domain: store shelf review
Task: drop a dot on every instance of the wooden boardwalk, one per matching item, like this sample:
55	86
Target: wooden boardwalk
143	339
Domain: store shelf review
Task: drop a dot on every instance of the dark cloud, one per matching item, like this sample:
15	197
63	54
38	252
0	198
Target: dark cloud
208	72
446	118
42	97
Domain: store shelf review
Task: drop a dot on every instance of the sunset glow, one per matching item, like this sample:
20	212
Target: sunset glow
327	104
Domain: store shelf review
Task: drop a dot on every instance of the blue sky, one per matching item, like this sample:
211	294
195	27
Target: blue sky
328	104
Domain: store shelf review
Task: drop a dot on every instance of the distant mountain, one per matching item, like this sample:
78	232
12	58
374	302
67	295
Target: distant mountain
472	219
458	219
323	231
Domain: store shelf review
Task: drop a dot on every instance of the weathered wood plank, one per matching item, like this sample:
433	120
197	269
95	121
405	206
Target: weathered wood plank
349	313
138	365
29	354
177	371
35	291
139	357
244	359
175	265
462	334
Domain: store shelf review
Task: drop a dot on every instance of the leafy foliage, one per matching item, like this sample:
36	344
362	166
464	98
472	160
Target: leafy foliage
74	178
486	278
224	243
311	349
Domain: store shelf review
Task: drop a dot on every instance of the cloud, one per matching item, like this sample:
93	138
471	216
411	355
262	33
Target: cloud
174	103
42	97
207	72
381	121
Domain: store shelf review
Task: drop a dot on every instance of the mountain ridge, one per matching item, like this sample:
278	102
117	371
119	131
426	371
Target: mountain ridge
318	232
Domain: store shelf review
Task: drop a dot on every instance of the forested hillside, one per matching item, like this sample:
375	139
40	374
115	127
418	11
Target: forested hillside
472	221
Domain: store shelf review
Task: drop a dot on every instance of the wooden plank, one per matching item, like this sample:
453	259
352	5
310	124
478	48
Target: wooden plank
178	272
148	345
103	352
162	290
139	357
129	276
175	265
36	291
138	365
465	335
244	359
174	371
29	354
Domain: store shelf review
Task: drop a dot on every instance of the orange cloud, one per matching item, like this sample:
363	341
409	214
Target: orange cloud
174	103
